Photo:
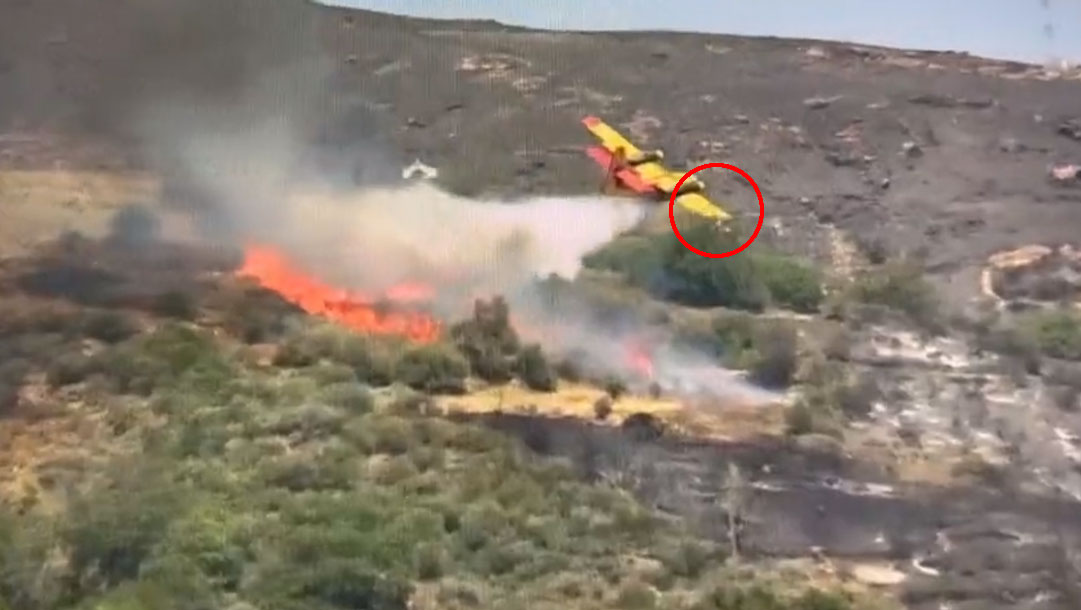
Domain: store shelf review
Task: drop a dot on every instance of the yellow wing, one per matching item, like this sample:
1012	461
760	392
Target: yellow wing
694	202
652	172
610	138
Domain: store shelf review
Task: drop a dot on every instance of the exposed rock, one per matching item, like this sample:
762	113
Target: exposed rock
911	150
1071	129
820	443
817	103
1010	145
878	575
949	101
1066	174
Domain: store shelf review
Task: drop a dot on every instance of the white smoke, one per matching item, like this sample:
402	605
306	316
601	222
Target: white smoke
375	238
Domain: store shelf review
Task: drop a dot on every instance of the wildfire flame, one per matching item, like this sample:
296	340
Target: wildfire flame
273	271
639	359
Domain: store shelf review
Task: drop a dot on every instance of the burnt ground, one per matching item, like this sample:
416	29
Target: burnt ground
939	155
971	547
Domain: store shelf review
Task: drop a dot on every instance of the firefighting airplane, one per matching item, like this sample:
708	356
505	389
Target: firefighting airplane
642	173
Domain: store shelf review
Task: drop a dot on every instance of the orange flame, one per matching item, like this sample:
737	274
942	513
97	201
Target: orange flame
639	360
354	311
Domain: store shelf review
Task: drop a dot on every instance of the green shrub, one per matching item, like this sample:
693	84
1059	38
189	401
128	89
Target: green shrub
1057	333
480	524
114	527
790	283
569	370
506	557
662	266
434	369
172	356
534	371
686	558
337	583
307	346
395	470
602	407
815	412
488	341
900	286
799	419
640	259
175	304
108	326
301	473
734	337
614	387
636	596
757	596
134	226
775	362
1067	398
350	396
373	360
1013	343
430	560
69	368
856	398
330	373
382	434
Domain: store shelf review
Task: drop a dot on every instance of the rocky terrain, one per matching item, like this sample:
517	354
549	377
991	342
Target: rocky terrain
960	487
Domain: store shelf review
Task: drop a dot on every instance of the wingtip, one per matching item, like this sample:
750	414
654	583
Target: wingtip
590	120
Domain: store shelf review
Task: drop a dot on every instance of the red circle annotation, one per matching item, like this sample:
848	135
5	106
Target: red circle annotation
757	192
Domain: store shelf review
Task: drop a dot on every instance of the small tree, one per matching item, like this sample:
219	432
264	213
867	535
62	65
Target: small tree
776	361
534	371
602	407
135	226
434	368
488	341
615	387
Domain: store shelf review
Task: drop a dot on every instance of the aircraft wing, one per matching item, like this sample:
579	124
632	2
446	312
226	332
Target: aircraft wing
610	138
696	203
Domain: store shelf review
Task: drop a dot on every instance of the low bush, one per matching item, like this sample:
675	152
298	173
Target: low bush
69	368
350	396
602	407
488	341
775	361
175	304
900	286
791	283
534	371
434	369
831	396
1056	333
761	597
108	326
661	265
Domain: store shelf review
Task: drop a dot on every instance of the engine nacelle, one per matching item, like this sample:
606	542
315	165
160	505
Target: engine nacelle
692	185
653	156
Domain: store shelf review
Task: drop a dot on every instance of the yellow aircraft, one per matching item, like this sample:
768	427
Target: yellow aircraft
641	171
